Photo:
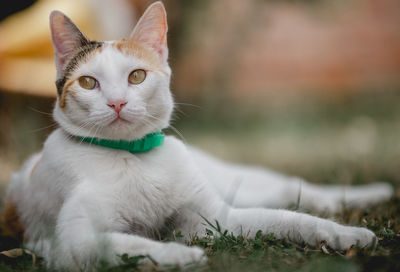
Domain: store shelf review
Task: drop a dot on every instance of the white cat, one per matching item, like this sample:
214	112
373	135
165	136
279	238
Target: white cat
85	197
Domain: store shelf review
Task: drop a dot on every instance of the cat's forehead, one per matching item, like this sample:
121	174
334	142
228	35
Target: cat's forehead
118	56
131	48
122	52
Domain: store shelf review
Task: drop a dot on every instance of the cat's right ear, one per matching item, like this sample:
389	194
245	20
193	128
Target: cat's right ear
66	38
151	29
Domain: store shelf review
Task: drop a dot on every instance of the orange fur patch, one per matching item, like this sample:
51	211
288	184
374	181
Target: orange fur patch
10	222
129	47
66	90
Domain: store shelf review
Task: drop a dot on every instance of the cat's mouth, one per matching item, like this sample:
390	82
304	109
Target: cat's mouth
119	120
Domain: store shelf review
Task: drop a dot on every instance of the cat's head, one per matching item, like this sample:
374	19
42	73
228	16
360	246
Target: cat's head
113	89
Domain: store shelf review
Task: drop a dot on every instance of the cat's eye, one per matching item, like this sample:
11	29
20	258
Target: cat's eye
88	82
137	76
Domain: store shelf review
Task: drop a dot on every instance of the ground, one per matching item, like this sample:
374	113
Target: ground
347	140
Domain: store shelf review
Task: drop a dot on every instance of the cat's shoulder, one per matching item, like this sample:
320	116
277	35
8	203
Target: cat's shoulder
175	145
56	138
59	142
174	142
171	148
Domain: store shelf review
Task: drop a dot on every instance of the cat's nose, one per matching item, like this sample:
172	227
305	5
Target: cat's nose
117	105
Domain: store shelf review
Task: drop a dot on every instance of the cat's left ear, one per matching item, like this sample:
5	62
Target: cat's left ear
66	38
151	29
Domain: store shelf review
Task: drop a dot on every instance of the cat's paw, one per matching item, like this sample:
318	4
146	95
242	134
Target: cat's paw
177	254
343	237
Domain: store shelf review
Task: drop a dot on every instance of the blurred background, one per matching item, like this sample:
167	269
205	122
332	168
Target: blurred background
310	87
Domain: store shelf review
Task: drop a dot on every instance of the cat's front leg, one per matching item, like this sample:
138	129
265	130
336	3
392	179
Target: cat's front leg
86	235
299	228
168	253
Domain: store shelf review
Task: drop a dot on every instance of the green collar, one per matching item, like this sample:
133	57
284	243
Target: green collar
145	144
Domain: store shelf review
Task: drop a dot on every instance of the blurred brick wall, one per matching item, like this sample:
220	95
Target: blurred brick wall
254	48
246	49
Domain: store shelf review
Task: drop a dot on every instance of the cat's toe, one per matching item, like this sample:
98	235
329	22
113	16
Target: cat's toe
366	238
353	236
177	254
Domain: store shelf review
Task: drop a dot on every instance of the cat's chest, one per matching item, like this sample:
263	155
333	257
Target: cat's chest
134	192
126	176
122	169
140	193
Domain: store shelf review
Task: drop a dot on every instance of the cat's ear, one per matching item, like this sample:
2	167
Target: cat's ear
151	29
66	37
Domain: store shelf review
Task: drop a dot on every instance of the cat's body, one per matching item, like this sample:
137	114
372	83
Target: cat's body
77	203
118	191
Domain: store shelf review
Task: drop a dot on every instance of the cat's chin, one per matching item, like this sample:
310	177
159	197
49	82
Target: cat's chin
123	129
120	122
117	130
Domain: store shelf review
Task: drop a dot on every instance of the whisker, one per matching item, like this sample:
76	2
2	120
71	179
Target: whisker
97	129
179	133
180	111
90	130
42	112
170	126
77	132
42	128
188	104
149	123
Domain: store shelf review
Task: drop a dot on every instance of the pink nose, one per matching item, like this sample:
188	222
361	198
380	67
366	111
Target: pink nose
117	105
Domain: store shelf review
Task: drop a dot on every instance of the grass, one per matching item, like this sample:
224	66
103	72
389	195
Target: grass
265	253
351	140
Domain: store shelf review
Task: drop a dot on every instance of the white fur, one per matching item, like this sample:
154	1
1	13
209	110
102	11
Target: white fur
80	203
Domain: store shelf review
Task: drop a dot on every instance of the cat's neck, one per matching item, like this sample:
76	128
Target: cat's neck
144	144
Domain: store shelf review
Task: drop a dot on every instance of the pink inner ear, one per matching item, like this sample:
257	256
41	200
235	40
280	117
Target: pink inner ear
151	30
66	37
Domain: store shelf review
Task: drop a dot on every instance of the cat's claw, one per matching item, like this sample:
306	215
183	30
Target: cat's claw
177	254
343	238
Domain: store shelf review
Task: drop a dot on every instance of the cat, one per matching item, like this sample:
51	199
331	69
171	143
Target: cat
107	181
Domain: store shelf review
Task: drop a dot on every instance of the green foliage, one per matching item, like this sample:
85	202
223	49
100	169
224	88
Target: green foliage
227	252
